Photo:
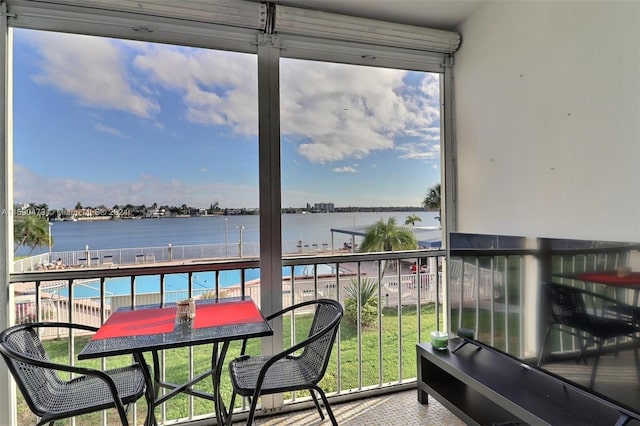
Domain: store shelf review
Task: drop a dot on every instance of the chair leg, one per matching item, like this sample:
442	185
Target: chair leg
637	359
595	366
252	410
122	412
583	353
325	401
231	404
315	401
544	345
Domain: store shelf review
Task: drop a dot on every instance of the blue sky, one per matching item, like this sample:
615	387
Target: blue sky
103	121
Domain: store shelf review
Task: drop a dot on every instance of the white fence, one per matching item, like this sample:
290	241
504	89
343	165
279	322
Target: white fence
140	255
470	283
83	311
305	289
87	310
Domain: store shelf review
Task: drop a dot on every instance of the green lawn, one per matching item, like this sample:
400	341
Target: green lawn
394	334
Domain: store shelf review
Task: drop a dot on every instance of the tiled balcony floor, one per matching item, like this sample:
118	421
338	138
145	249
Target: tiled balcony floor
401	408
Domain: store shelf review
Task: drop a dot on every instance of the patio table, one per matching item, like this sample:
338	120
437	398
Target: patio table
151	328
609	278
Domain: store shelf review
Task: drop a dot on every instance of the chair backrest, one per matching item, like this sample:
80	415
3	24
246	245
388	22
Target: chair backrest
567	305
26	358
322	334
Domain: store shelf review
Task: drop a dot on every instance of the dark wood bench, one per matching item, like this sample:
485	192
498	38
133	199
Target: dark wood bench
483	386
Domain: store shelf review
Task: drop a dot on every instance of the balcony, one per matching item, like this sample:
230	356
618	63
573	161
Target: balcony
563	188
371	365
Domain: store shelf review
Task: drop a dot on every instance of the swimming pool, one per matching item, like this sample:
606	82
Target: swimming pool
179	282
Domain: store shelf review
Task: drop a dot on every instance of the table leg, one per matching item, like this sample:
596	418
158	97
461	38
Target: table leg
150	391
156	374
217	362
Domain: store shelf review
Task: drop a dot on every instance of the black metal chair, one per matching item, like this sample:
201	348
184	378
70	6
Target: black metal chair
583	314
301	367
52	397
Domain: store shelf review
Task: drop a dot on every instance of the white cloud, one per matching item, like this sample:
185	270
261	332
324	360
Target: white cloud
430	86
334	111
419	151
217	87
431	134
91	69
148	189
109	130
351	142
345	169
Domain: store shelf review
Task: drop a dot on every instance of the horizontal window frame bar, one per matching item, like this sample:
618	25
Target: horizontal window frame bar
238	13
315	23
133	27
306	48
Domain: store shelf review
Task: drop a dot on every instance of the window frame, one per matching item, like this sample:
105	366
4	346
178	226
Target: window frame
94	17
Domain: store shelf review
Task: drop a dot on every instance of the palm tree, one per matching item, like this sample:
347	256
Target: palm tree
432	200
412	219
31	231
388	236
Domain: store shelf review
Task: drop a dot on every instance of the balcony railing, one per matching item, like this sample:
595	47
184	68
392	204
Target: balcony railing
485	292
376	358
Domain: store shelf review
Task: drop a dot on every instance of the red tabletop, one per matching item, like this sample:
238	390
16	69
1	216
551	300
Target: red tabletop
610	278
162	320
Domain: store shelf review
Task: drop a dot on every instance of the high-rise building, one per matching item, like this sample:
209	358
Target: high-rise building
324	207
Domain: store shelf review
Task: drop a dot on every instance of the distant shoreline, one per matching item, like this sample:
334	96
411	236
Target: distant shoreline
245	213
224	231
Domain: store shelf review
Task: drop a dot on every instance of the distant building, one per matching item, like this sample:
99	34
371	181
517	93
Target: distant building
324	207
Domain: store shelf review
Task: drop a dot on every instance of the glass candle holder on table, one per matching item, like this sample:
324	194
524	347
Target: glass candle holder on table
185	311
439	340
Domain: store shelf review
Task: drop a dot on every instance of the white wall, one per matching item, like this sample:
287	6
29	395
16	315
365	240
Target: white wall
548	119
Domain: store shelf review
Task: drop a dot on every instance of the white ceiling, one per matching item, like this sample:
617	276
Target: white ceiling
439	14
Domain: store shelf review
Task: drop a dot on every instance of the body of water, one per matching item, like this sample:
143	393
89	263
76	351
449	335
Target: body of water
312	228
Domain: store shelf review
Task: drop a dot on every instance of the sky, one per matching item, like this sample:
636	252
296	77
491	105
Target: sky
109	122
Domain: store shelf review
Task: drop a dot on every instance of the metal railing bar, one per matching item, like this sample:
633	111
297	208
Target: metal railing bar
338	337
505	284
380	346
399	278
359	314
